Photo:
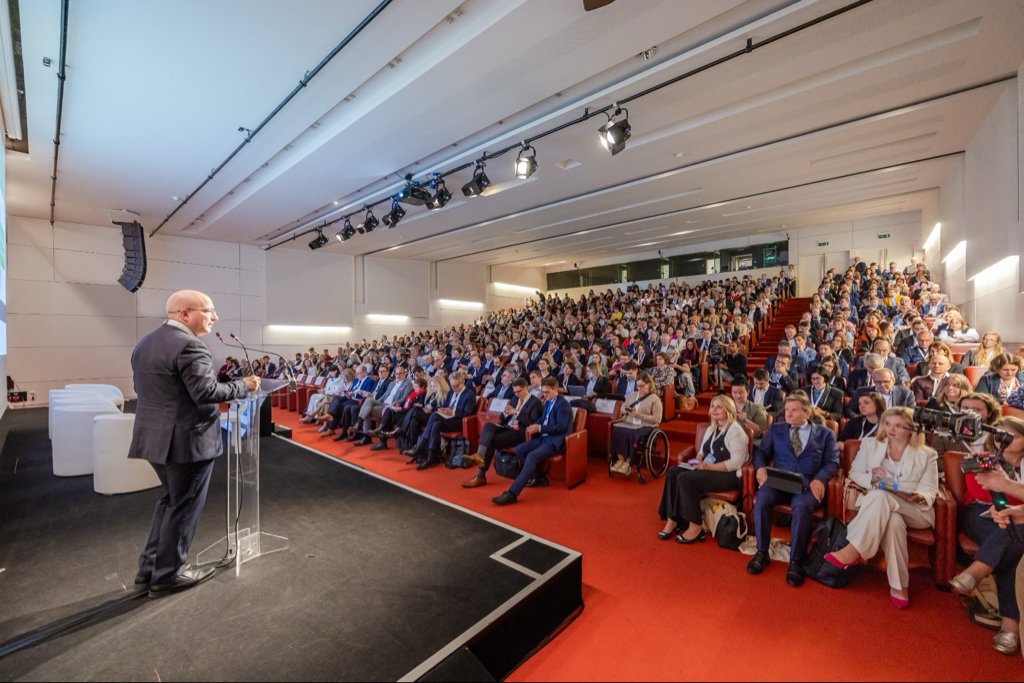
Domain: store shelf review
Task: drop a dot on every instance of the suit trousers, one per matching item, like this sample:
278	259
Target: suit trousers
371	410
495	438
175	518
435	426
533	453
881	523
802	507
680	499
998	550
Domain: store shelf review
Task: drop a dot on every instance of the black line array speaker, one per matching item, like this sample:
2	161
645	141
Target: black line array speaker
134	273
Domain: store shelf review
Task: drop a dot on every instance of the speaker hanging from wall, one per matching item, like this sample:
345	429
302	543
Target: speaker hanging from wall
134	273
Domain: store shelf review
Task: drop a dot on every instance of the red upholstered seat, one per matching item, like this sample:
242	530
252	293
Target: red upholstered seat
745	495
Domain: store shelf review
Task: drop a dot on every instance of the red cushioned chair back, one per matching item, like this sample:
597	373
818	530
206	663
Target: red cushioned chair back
579	420
974	375
951	461
850	448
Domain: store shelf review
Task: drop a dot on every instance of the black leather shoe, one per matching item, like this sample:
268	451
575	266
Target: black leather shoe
699	538
428	463
665	535
142	579
542	480
506	498
365	441
186	579
758	562
340	437
379	446
795	575
354	436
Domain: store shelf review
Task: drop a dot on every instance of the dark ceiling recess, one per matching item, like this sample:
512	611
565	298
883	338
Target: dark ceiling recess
19	74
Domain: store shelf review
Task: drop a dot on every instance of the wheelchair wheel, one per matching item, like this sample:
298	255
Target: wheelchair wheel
657	453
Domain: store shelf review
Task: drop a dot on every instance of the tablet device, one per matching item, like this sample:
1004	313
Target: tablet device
577	390
784	480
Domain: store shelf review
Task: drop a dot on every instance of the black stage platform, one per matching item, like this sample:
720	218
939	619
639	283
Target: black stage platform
380	582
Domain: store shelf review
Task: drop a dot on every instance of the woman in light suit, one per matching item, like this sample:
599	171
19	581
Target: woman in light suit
642	407
900	479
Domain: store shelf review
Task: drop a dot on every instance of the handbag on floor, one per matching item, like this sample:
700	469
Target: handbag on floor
828	537
507	465
458	449
727	525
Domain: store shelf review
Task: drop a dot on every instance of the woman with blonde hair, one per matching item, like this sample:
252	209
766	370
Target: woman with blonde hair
718	467
957	331
991	346
899	479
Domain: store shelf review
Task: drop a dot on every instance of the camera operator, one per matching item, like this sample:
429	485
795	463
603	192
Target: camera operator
984	405
998	552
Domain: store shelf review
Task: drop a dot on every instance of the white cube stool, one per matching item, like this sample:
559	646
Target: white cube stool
113	472
106	390
59	396
72	436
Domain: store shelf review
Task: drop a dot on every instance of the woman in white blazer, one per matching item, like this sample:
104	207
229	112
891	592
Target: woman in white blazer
900	479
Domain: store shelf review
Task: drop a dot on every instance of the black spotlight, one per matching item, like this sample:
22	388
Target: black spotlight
413	193
441	194
369	222
319	240
346	232
526	162
478	183
395	215
615	133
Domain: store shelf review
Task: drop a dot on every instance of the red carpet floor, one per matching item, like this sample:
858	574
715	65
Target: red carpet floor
660	611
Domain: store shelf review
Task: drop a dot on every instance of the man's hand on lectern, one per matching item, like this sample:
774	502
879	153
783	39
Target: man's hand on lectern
252	382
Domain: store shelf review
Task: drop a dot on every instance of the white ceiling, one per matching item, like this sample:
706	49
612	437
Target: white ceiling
860	115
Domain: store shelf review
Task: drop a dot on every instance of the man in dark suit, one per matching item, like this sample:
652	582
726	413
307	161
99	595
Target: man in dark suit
177	429
795	445
392	401
460	403
797	363
764	394
626	383
549	432
521	412
883	382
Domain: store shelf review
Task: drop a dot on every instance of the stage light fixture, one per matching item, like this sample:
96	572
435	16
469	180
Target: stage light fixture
319	240
346	232
413	193
526	163
478	183
441	194
369	222
615	133
396	214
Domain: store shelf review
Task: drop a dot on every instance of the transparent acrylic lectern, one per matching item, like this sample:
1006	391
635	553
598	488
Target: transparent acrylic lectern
240	427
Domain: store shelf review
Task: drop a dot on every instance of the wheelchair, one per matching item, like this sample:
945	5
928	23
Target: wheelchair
652	454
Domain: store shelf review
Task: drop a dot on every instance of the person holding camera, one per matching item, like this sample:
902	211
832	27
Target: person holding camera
999	552
899	479
984	405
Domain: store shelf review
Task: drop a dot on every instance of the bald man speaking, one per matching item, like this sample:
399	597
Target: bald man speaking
177	429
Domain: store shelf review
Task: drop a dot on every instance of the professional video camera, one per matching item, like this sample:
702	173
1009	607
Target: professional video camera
968	426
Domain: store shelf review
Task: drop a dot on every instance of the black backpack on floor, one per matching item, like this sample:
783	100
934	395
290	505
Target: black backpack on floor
828	537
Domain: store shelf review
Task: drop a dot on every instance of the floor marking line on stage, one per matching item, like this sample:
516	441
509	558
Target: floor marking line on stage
499	556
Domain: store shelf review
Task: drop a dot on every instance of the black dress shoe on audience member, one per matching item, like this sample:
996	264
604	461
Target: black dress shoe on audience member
142	579
340	437
186	579
758	562
683	540
795	575
506	498
354	436
365	441
542	480
379	446
431	461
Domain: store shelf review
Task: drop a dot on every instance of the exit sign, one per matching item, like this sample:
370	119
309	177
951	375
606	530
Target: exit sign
822	244
883	235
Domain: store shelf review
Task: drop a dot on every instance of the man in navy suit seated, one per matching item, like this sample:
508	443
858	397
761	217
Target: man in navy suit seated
796	445
460	403
548	440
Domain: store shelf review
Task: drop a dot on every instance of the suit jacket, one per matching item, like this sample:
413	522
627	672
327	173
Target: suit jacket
177	418
831	402
798	366
923	387
602	386
621	385
920	469
818	460
505	391
773	399
989	384
528	415
571	381
380	390
466	404
898	368
404	389
558	425
901	396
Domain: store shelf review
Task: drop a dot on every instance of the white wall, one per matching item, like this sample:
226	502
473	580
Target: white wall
979	211
70	321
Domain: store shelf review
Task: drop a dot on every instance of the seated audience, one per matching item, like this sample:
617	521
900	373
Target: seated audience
998	552
826	400
899	478
641	414
719	467
795	445
884	384
870	407
984	405
764	394
748	413
928	386
1002	379
991	346
663	374
521	412
958	332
